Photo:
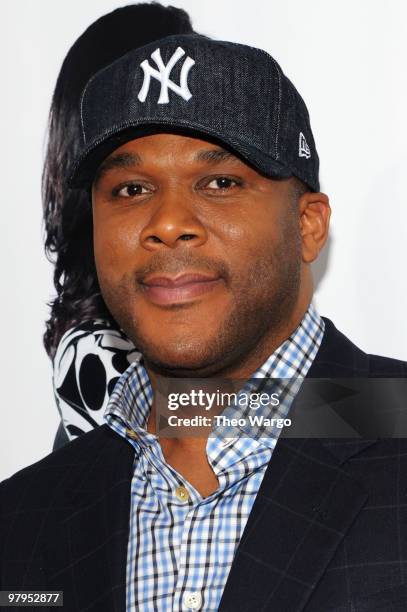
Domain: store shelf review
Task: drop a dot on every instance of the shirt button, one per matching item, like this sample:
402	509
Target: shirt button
192	600
182	494
227	442
132	434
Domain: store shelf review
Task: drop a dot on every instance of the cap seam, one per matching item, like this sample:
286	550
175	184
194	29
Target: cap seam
279	108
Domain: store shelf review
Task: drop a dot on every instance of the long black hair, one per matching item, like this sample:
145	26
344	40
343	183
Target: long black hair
68	213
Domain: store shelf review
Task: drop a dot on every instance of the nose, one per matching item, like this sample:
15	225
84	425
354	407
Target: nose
174	222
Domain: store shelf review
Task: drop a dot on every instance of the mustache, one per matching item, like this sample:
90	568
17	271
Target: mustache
184	261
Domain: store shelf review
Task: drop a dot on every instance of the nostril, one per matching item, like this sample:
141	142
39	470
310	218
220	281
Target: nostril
186	236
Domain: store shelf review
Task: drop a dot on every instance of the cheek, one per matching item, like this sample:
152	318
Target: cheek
249	239
115	246
236	230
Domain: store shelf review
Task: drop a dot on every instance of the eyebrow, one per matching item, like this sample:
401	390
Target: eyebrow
214	156
120	160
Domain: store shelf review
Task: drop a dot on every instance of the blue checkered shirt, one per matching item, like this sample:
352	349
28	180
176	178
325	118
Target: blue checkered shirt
181	548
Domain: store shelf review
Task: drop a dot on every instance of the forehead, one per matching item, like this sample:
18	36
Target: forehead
167	149
159	145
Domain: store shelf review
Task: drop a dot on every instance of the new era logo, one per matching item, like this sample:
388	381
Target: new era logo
303	149
163	76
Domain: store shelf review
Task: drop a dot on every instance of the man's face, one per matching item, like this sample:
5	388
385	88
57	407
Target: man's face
198	256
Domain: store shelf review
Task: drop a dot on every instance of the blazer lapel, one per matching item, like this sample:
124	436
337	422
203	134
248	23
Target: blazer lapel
86	554
304	508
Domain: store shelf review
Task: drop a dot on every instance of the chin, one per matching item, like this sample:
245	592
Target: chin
180	358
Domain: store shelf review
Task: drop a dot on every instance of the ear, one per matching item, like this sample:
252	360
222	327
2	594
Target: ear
315	213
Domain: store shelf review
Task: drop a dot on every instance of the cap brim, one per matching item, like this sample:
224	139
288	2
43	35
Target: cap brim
85	168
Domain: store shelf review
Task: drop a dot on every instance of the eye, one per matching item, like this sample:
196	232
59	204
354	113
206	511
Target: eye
130	190
222	183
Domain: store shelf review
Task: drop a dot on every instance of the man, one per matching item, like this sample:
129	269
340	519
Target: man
207	215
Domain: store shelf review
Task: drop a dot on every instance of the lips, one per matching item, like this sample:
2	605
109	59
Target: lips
165	290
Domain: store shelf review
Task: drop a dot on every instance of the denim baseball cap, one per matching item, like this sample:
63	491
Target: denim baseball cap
225	92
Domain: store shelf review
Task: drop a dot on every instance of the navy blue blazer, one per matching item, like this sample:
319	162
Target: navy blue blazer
327	532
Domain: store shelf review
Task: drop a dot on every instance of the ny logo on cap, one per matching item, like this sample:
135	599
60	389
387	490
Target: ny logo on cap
163	75
303	148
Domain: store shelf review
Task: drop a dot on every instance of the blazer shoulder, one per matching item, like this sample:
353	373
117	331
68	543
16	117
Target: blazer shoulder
387	366
338	356
37	482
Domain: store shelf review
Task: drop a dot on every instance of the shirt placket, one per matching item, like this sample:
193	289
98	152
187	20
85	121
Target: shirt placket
190	587
186	505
